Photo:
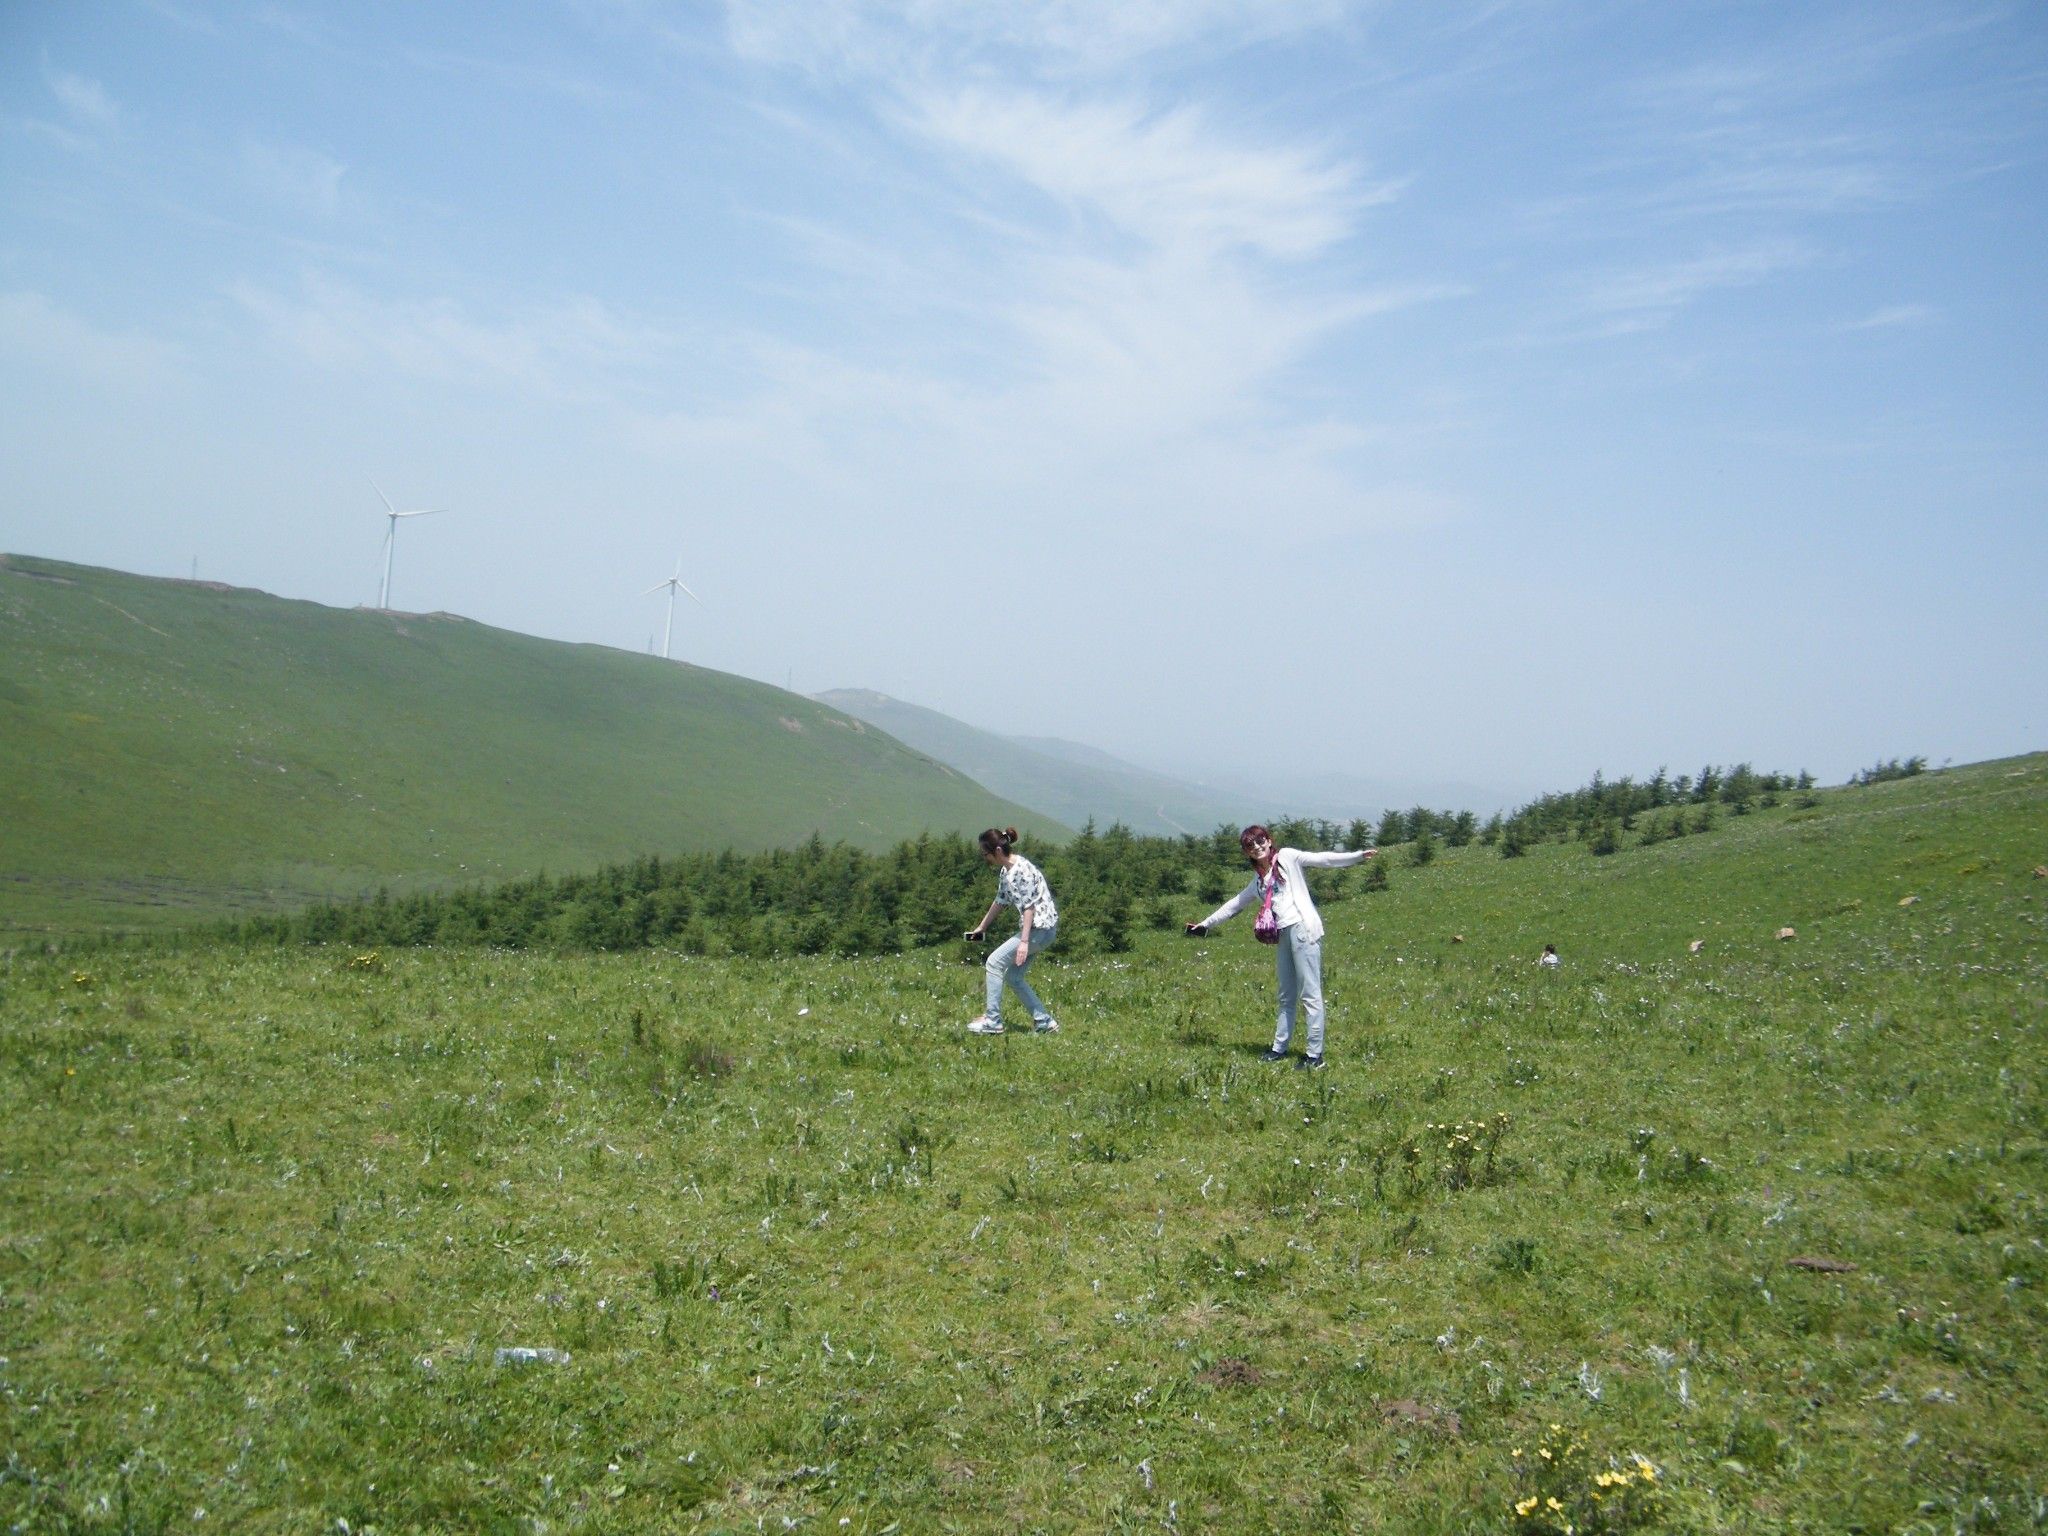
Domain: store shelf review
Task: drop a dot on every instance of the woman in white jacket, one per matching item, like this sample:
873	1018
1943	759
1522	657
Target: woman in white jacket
1288	920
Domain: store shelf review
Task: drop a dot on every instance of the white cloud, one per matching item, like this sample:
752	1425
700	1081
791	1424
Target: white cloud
1142	282
1038	36
1649	297
85	101
299	179
35	329
1894	317
1166	177
573	347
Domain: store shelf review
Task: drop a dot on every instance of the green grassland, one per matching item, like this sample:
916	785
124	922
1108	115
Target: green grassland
172	750
821	1261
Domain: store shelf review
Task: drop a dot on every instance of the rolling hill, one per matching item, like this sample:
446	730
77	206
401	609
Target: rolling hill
174	750
1060	778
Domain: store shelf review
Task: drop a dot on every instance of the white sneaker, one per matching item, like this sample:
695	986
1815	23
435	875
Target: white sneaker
1049	1027
985	1026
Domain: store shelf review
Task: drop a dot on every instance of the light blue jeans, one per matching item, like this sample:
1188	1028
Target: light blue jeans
1002	966
1300	962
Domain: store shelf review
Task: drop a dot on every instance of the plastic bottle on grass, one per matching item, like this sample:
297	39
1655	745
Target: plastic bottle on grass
521	1354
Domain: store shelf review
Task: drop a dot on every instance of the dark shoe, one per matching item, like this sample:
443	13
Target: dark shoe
1272	1056
1309	1064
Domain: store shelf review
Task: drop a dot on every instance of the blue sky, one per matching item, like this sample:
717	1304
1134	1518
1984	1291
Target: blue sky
1476	393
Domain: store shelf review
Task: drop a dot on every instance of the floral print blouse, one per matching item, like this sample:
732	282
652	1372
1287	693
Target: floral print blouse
1020	885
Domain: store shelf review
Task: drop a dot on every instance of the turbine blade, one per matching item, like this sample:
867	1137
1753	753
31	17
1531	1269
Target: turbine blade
422	512
382	497
655	588
693	596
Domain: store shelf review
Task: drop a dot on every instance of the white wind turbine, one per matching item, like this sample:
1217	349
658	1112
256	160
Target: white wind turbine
391	538
674	585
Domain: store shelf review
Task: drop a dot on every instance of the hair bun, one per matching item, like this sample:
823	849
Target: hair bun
1009	834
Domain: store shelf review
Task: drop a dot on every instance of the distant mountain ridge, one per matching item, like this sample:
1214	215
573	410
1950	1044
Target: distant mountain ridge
1066	780
181	749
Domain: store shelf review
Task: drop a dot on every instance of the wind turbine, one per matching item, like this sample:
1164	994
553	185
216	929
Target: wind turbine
391	538
674	585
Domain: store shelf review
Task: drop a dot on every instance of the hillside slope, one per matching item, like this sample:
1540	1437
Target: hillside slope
172	749
1062	779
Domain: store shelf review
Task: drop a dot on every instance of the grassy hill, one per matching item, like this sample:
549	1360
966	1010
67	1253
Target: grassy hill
1062	779
822	1261
171	749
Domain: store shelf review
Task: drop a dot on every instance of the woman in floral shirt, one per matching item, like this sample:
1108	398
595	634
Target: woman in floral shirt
1018	884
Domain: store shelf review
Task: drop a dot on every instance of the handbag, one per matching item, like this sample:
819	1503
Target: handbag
1264	928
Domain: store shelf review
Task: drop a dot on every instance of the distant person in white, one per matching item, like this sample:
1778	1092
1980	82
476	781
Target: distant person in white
1548	960
1287	919
1019	885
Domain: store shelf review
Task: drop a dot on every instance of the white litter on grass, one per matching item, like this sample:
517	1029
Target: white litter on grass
1589	1381
803	1013
1145	1471
520	1354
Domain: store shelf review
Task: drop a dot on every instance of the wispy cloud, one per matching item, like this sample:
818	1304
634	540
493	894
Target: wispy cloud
523	75
1040	37
578	346
1167	177
1649	297
1148	275
87	114
85	101
34	329
1894	317
301	180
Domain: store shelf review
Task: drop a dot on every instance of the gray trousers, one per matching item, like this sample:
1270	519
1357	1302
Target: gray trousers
1300	963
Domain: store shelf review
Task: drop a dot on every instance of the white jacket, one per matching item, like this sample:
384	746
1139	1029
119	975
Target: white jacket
1292	862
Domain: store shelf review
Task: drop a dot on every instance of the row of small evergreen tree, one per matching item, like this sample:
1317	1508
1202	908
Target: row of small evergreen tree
1600	812
818	898
823	898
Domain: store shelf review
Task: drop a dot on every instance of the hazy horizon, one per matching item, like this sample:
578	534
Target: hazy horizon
1481	394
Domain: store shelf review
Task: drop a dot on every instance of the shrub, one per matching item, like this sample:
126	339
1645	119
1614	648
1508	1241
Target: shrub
1890	768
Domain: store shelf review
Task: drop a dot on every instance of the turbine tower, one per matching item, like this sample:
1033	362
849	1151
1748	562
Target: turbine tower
391	538
674	585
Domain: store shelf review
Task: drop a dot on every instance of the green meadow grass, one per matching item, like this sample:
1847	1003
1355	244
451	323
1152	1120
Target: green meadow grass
822	1261
172	751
